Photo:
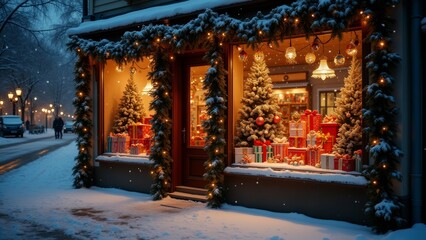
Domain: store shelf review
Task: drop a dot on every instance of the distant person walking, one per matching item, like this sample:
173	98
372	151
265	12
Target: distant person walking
58	125
27	125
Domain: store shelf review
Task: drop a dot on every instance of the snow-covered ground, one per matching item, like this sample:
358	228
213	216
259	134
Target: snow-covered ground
38	201
11	139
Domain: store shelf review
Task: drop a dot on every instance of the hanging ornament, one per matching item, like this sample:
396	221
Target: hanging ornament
351	49
290	54
259	56
310	58
243	56
277	119
132	70
260	121
316	44
339	59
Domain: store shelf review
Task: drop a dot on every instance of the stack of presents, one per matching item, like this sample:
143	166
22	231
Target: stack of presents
310	142
136	141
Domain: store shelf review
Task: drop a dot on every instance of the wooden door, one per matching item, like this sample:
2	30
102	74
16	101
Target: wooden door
194	111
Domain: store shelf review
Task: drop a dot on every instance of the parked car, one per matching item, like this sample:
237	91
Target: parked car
69	126
11	125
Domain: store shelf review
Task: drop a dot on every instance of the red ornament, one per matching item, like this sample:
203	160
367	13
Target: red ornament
243	56
277	119
260	121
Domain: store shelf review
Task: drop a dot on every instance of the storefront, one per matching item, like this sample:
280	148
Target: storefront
263	110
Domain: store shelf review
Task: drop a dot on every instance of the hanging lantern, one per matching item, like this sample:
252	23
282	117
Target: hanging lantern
290	54
339	59
323	71
310	58
243	56
316	44
260	121
351	49
259	56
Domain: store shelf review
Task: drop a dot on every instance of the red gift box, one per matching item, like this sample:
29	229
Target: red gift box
331	128
314	156
147	145
139	130
280	150
313	120
328	144
344	163
297	128
297	142
301	152
147	120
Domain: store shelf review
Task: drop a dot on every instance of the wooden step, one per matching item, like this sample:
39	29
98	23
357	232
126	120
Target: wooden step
191	190
190	193
188	196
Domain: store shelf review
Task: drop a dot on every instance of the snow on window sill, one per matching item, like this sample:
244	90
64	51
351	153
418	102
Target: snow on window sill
123	158
297	172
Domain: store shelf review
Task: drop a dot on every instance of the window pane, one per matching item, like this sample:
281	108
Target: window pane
197	110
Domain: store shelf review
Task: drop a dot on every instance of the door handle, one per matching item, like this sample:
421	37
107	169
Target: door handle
183	135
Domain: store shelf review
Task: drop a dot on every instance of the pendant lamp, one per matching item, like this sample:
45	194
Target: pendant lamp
323	71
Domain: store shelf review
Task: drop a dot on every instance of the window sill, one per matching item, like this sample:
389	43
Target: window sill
142	159
282	170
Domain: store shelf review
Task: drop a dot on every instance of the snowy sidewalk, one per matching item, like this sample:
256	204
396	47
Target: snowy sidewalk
9	140
40	195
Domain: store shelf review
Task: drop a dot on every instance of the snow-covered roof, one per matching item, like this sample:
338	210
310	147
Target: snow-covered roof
149	14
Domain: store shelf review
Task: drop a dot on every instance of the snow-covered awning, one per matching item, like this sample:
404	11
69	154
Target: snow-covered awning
149	14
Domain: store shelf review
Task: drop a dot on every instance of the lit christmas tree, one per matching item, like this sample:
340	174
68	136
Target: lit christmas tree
130	109
259	116
349	111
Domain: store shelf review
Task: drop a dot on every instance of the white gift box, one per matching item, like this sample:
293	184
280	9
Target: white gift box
327	161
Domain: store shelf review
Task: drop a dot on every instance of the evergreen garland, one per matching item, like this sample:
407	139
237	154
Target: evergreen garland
160	155
83	169
384	207
216	102
379	112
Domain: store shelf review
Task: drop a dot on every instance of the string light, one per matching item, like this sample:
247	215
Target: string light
382	44
382	80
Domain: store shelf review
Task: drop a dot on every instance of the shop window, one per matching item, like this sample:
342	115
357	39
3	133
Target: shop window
327	100
298	71
126	92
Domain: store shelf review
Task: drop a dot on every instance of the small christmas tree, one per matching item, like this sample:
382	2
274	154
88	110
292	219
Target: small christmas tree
259	116
349	111
130	109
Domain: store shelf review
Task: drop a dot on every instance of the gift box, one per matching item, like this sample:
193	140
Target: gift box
330	128
139	130
297	142
147	120
358	160
123	143
147	145
297	128
136	149
280	150
312	120
328	144
344	163
311	139
244	158
136	141
327	161
314	156
297	151
109	142
241	152
262	150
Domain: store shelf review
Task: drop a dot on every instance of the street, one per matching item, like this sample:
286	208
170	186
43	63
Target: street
18	154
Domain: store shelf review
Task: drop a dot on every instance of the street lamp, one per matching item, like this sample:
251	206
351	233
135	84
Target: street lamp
13	100
31	110
1	107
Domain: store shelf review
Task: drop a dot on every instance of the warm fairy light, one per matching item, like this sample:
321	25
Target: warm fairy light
82	149
374	182
384	165
214	138
210	164
361	12
382	44
165	182
375	142
296	20
260	32
152	172
239	48
384	128
78	49
209	34
166	93
136	43
381	80
220	44
164	152
312	15
221	120
223	34
215	62
216	150
172	57
158	39
85	129
83	75
85	166
210	194
285	19
212	184
80	94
